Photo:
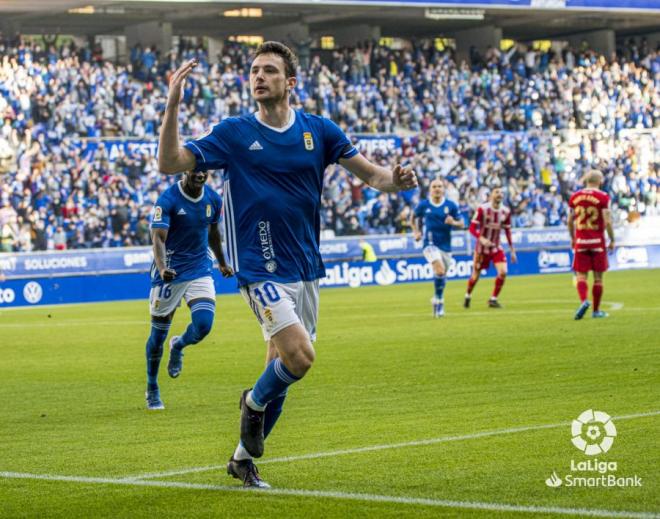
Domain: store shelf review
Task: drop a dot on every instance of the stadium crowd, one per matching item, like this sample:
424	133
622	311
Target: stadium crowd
505	117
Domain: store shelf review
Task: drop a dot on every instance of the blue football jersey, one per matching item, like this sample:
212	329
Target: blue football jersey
273	178
434	229
187	220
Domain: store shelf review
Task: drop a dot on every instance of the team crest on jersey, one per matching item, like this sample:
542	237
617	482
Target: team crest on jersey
309	142
208	210
446	210
158	213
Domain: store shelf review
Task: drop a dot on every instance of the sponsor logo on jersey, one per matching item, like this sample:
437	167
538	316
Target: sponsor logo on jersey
158	214
208	210
309	142
181	212
265	240
271	266
255	146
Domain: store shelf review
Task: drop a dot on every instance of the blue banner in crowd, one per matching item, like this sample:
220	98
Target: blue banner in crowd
384	272
366	143
118	147
371	143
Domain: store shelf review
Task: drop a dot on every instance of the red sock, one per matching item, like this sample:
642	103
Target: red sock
597	293
471	283
499	283
582	289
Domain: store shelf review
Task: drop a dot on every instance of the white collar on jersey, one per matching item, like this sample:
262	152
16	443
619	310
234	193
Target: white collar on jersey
292	119
188	197
442	201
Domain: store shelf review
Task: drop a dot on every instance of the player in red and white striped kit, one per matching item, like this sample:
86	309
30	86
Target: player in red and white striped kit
589	220
486	226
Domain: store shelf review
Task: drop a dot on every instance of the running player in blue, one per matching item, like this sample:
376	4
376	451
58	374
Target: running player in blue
184	225
274	162
434	219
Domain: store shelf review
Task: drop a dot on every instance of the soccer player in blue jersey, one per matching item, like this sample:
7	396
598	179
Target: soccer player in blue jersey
274	161
184	225
434	219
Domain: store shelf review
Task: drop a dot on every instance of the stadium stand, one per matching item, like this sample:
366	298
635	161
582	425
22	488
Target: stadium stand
530	120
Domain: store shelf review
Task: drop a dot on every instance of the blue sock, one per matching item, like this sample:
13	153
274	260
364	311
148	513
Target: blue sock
155	351
273	412
202	314
272	382
439	282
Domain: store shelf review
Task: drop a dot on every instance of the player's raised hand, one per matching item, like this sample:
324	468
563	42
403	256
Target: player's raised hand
168	275
177	81
226	270
404	178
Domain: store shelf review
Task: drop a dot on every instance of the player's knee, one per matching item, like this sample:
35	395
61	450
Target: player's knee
157	337
303	359
203	322
502	275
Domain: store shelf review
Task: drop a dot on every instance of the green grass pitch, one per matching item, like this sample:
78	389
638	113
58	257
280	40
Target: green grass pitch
469	415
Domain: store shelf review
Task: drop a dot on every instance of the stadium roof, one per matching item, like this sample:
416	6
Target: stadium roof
197	18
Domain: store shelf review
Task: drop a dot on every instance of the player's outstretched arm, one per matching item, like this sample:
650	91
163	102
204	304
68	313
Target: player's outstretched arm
397	179
158	238
215	242
172	157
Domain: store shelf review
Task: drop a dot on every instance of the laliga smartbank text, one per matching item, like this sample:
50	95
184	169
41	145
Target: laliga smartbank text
597	473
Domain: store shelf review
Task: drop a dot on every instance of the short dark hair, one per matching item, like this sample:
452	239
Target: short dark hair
287	55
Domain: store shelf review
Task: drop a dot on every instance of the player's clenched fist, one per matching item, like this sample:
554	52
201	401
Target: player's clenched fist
404	178
177	81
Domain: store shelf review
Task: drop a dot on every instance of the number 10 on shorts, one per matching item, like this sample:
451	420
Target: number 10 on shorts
267	293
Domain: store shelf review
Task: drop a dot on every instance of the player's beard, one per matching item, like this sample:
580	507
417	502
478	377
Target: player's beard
274	99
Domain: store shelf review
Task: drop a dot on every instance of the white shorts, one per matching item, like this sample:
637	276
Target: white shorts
279	305
432	253
164	299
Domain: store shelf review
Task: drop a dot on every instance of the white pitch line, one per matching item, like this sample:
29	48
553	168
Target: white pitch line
346	496
372	448
613	306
